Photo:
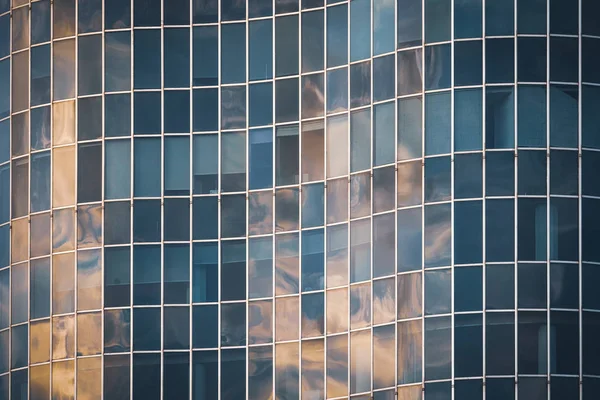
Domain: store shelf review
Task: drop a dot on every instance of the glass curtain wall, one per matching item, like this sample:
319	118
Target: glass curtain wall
299	199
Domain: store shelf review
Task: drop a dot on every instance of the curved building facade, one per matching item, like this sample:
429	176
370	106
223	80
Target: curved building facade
284	199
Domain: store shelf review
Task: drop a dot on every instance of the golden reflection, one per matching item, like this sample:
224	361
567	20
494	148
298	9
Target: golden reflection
409	183
63	380
337	146
337	200
260	373
410	351
20	81
337	366
64	18
286	264
337	310
89	378
117	330
39	341
410	298
63	176
40	235
89	226
260	218
63	230
63	337
63	123
313	369
63	283
286	371
39	382
89	334
64	69
313	151
384	356
410	392
89	280
260	322
337	255
286	318
360	306
384	309
360	361
19	240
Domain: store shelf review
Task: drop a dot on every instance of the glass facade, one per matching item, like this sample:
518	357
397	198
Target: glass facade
299	199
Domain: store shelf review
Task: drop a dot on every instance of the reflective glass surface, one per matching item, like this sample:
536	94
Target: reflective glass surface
316	199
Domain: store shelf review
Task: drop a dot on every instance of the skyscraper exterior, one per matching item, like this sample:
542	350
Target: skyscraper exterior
300	199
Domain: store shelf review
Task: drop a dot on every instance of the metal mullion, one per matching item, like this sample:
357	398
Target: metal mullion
348	169
548	205
162	197
484	265
325	199
515	87
580	193
452	210
246	196
191	208
131	193
219	194
422	159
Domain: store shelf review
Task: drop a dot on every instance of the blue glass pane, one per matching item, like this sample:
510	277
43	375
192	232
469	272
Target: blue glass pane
337	35
40	181
117	111
147	115
117	14
499	17
437	123
437	20
146	221
147	169
40	75
146	329
499	220
531	16
360	32
383	29
468	119
117	176
467	18
468	63
468	220
312	260
176	57
409	23
205	320
147	57
233	53
500	117
117	61
205	272
260	155
177	111
206	105
147	13
205	212
206	61
468	289
146	275
261	104
40	21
